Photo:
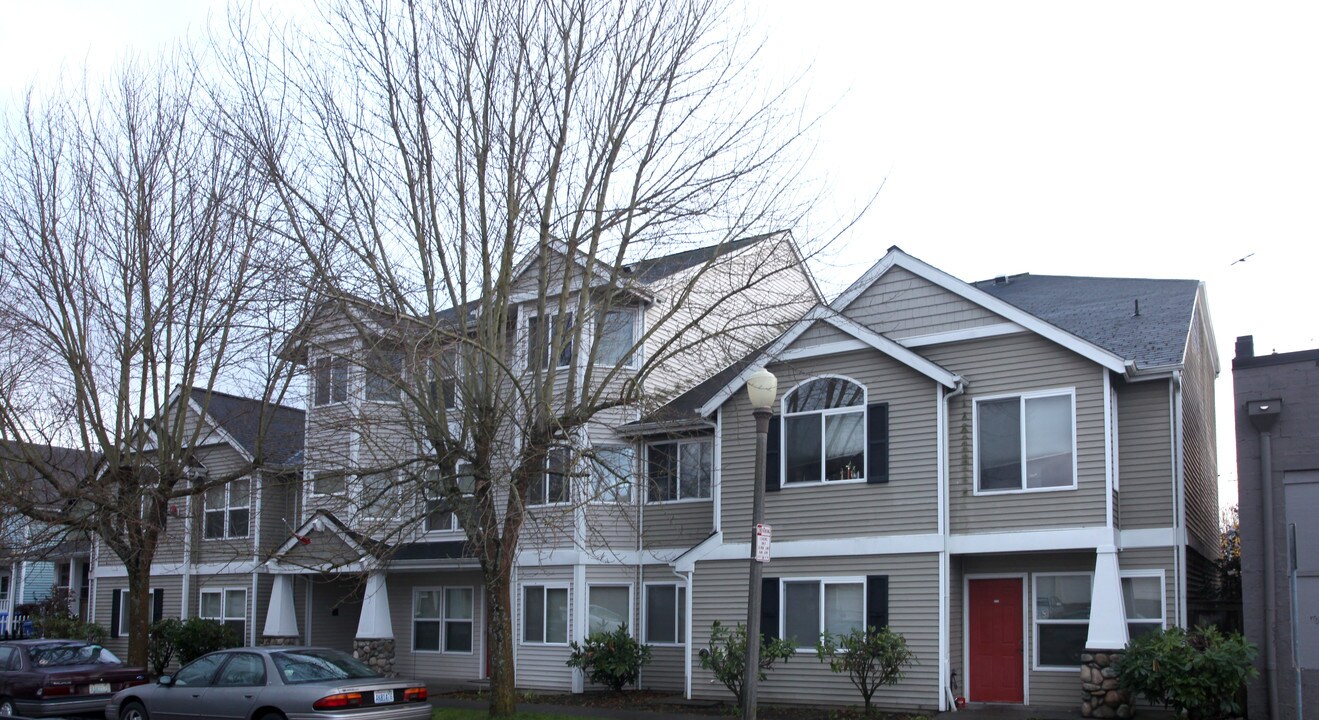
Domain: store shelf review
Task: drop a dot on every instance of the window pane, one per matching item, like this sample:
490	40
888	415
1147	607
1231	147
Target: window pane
1049	441
235	603
427	604
215	498
339	380
458	603
384	374
438	517
212	605
616	338
458	636
802	613
244	670
611	473
661	462
1062	597
556	615
214	524
1062	645
608	609
1136	629
200	671
825	393
682	613
240	493
328	483
533	614
535	343
845	446
238	522
801	444
426	635
998	446
322	382
1143	597
661	613
694	461
844	608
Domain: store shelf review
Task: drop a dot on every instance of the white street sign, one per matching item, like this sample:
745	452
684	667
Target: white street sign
762	543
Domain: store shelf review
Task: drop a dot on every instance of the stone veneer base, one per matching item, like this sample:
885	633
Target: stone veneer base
278	640
377	653
1100	695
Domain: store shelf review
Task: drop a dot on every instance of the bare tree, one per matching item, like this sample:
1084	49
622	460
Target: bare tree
137	269
477	185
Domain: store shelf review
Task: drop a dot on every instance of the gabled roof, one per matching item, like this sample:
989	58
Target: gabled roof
650	270
45	468
242	418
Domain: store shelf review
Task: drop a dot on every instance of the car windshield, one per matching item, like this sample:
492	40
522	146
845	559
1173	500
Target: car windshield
300	666
71	654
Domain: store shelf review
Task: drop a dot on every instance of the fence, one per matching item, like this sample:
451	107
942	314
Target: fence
13	627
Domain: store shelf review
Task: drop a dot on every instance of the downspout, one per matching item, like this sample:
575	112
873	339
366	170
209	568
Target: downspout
1264	415
187	558
945	565
1179	497
687	579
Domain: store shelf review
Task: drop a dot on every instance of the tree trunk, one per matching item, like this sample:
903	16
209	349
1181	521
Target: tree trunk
139	613
503	700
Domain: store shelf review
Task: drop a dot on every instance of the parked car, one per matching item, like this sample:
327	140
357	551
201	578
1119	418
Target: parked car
269	683
45	678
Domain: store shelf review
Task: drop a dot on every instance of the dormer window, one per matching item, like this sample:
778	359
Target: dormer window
541	336
824	431
616	338
384	374
331	381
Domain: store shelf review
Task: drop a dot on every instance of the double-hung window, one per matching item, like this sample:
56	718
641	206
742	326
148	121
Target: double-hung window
611	473
1062	619
328	482
544	333
609	607
1026	442
119	610
227	510
814	607
552	486
680	470
666	614
229	606
824	431
384	373
1143	597
440	516
442	619
330	376
544	614
617	335
378	496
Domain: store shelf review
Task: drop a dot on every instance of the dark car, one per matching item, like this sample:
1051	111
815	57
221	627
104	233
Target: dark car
45	678
297	683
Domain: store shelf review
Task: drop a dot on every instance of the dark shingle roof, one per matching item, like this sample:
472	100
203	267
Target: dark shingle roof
243	419
652	269
1103	311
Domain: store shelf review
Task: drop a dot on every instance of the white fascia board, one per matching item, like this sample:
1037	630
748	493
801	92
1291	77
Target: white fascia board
952	336
307	526
825	547
231	568
573	556
912	360
1085	538
822	350
1147	538
275	568
686	562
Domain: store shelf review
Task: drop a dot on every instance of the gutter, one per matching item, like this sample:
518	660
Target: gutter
1264	415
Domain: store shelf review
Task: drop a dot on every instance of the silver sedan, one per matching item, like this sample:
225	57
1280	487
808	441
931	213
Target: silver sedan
273	683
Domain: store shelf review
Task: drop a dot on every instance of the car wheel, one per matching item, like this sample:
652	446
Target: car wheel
133	710
7	707
273	716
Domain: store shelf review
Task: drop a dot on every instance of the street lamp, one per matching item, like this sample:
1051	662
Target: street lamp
762	386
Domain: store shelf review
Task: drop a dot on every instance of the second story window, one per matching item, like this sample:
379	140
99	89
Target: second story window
824	431
680	470
1025	442
384	373
616	338
379	495
440	516
228	510
542	334
552	486
329	483
611	473
330	376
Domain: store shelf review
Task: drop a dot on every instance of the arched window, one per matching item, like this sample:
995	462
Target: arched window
824	431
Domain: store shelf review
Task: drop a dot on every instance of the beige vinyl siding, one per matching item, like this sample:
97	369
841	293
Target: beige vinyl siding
901	304
721	594
1145	455
278	515
907	503
610	528
677	525
1200	443
1015	364
105	587
336	608
957	620
666	670
429	665
821	333
543	666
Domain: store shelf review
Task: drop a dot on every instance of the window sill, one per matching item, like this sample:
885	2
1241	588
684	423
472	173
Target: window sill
1055	668
822	483
679	501
533	643
228	537
1024	491
679	645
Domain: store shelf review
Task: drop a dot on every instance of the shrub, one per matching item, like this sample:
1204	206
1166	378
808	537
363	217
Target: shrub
727	659
611	658
871	658
186	640
50	617
162	644
1197	673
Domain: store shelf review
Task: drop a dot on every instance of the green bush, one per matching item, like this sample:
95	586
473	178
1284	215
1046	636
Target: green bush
186	640
68	627
871	658
612	658
727	655
1197	674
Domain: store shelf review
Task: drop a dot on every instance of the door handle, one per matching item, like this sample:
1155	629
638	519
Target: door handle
249	697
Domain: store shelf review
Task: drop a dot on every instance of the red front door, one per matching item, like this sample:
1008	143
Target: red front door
995	641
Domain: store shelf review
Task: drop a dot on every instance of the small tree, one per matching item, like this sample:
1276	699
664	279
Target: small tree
1198	674
872	658
612	658
187	640
727	655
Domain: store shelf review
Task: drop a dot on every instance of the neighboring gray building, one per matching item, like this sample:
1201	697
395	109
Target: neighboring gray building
1277	413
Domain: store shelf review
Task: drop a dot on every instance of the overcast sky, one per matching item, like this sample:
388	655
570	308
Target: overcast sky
1143	139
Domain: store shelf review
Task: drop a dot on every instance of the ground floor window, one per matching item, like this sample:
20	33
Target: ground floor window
544	614
442	619
1143	597
610	608
666	614
814	607
227	605
119	610
1062	613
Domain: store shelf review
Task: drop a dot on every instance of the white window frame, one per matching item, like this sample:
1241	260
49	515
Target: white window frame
633	359
544	479
609	494
679	614
333	363
455	526
390	500
554	319
224	606
863	409
1035	621
1022	397
545	587
228	507
438	620
123	608
631	605
821	582
677	478
382	352
317	493
1163	597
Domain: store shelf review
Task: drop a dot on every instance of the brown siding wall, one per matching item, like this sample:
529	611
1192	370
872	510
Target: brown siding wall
900	305
1145	455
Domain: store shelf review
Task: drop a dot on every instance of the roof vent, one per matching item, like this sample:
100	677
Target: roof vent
1002	280
1137	312
629	269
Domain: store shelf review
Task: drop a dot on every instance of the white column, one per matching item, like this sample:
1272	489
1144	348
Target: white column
281	621
1108	615
375	623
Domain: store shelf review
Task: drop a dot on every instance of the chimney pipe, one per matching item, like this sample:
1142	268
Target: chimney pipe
1246	346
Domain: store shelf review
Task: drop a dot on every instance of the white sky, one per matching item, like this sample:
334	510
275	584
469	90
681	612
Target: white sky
1150	139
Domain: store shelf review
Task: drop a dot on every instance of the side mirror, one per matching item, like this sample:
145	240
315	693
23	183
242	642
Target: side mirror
165	680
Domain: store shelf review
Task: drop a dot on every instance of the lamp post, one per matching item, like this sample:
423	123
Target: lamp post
762	386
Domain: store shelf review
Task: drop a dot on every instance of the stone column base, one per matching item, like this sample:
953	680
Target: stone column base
1100	695
377	653
278	640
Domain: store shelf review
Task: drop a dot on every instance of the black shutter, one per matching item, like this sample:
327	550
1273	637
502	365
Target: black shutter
769	608
116	600
772	445
877	439
876	602
157	605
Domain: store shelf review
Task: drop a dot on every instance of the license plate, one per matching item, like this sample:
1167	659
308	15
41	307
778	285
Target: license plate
98	689
384	696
